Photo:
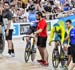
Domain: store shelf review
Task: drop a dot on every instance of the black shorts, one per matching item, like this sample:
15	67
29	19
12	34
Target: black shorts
69	50
9	37
41	41
73	53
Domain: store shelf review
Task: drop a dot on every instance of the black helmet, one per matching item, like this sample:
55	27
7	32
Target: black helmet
31	7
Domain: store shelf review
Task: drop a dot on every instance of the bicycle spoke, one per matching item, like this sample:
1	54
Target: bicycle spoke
27	54
55	59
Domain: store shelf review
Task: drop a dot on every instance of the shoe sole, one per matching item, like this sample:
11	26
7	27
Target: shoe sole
44	64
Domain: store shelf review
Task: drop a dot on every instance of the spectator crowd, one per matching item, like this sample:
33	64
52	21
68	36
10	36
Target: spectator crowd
51	9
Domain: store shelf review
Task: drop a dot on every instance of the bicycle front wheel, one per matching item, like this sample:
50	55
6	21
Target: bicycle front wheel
55	58
27	52
62	58
33	56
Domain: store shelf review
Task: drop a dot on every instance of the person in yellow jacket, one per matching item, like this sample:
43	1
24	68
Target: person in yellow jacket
58	31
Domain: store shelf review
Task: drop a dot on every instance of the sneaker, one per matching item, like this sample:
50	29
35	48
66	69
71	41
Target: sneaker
34	62
45	63
12	54
8	55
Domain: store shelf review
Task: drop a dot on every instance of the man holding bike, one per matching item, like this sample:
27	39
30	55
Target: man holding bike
42	38
32	22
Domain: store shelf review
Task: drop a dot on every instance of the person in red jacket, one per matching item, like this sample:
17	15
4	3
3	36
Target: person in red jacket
42	38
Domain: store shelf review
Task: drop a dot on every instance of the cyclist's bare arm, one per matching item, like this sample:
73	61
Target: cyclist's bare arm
67	37
38	31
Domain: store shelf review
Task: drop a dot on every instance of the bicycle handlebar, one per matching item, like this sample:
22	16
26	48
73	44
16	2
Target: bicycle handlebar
29	36
55	40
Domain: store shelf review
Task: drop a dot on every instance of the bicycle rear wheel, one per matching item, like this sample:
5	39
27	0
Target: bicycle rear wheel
33	56
33	52
27	52
55	58
2	44
62	57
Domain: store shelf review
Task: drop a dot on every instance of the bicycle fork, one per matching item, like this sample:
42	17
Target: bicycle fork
32	45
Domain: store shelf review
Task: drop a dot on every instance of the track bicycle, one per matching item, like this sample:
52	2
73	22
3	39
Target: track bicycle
29	49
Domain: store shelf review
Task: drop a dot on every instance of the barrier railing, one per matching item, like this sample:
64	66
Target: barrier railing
20	29
59	15
48	16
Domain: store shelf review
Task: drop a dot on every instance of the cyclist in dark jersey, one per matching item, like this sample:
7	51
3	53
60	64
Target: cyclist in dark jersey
33	24
32	19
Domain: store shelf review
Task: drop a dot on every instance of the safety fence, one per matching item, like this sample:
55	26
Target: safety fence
20	29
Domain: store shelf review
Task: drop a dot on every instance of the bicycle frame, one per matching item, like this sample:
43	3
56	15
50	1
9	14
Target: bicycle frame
58	46
32	42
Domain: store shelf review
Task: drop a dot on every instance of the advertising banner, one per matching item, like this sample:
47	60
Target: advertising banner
20	29
71	17
24	28
50	24
15	30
